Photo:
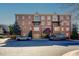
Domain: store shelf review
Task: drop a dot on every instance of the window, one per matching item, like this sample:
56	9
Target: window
23	23
48	17
62	29
29	17
37	18
67	34
56	28
36	28
48	23
30	28
42	23
22	17
54	18
17	17
43	28
42	17
62	23
55	24
29	22
67	29
47	26
67	23
67	17
61	18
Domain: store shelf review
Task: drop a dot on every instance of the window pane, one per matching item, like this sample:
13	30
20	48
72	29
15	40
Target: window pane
42	17
37	18
36	28
56	28
67	34
22	17
48	23
62	23
61	18
49	17
42	23
67	29
67	23
17	17
55	18
68	17
29	17
62	29
55	24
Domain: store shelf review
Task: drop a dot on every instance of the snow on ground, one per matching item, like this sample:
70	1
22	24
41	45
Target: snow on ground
37	51
35	48
72	53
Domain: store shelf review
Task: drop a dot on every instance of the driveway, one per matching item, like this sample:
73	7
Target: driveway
15	43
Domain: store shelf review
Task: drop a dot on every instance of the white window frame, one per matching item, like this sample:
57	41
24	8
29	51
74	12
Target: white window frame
54	18
62	23
42	23
23	23
61	18
67	17
62	28
67	34
42	17
48	23
29	22
29	17
23	17
36	19
67	28
36	28
17	17
30	28
67	23
48	17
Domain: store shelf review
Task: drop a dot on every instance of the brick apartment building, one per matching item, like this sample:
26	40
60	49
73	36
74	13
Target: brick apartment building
39	22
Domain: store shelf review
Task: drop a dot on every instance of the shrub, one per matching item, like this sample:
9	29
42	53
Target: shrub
13	36
30	34
74	34
1	36
47	32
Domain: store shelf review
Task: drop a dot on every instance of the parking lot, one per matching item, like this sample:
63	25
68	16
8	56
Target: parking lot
15	43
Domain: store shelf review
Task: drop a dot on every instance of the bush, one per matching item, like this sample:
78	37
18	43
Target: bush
13	36
47	32
74	34
1	36
30	34
47	36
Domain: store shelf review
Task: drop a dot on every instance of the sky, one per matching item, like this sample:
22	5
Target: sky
8	10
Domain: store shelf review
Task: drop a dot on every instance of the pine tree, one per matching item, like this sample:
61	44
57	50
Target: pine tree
74	32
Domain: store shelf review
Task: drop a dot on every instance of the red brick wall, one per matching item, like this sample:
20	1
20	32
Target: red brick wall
25	23
25	26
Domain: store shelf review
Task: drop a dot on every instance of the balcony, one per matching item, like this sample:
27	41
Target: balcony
36	19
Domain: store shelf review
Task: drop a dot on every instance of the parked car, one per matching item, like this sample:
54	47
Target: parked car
23	38
58	36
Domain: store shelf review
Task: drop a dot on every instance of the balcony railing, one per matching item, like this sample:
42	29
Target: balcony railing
36	21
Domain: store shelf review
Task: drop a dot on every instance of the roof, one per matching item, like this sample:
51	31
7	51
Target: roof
43	14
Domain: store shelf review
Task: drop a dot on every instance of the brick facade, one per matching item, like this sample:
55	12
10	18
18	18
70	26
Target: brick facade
39	22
